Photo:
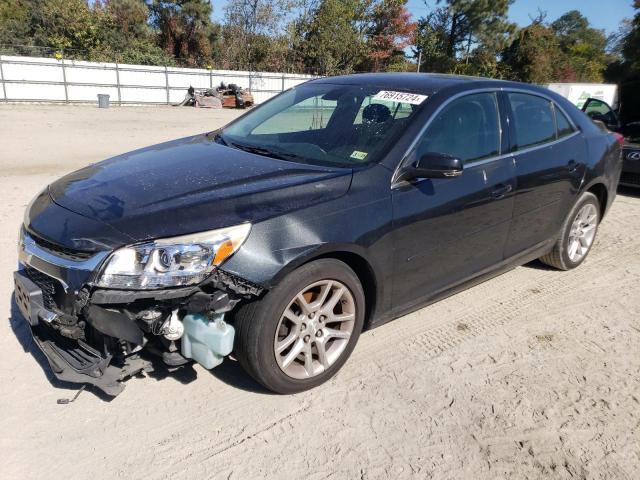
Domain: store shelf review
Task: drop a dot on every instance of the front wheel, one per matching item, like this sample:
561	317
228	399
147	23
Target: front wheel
577	235
302	332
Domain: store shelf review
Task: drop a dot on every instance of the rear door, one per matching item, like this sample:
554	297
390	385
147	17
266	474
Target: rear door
549	154
449	229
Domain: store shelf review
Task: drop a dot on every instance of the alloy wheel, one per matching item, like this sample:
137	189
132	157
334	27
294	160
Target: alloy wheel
582	233
315	328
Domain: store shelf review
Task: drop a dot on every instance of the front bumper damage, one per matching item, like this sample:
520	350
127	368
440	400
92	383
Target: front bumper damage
96	336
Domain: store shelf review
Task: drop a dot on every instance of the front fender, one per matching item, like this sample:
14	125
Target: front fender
357	224
295	258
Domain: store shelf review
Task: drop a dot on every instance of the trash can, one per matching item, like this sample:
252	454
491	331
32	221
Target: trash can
103	100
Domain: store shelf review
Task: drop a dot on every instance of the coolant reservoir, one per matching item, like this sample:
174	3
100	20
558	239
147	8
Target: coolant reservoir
205	340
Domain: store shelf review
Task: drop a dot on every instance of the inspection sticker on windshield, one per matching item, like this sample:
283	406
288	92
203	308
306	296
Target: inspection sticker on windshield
400	97
358	155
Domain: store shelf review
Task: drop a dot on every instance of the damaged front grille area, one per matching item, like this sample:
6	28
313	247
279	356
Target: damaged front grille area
94	335
240	286
59	250
83	358
46	284
79	362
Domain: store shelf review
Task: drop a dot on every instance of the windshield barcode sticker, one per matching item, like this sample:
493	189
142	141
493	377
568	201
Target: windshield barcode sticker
358	155
400	97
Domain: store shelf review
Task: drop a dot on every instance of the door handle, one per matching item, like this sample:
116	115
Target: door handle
572	166
501	190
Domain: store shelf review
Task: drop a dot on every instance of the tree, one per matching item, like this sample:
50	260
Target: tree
532	56
631	42
184	29
14	24
125	34
67	26
391	31
584	48
432	41
334	36
451	33
477	22
253	35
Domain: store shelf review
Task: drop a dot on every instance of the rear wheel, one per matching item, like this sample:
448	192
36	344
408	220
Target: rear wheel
302	332
577	235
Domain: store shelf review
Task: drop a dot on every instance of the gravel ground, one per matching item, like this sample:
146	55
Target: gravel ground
534	374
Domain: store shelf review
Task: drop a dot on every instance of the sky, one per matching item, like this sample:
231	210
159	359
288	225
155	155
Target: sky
603	14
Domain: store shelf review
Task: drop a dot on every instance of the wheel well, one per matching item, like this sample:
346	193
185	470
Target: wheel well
365	273
600	191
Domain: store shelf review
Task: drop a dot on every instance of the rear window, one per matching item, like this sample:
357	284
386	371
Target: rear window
533	118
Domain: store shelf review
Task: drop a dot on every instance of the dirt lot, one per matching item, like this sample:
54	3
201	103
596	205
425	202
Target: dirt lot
533	374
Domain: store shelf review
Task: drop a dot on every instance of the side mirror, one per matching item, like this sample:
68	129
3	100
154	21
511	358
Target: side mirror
433	165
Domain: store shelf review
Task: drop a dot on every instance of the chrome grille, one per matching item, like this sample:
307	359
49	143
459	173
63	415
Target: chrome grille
630	178
59	250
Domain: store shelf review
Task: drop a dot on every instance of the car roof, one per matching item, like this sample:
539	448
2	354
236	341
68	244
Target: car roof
427	83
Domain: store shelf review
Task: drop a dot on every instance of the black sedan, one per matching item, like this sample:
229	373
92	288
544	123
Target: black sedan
336	206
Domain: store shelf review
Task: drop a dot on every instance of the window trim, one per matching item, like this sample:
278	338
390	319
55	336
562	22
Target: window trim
496	90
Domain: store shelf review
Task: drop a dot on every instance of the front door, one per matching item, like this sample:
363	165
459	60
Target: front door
448	229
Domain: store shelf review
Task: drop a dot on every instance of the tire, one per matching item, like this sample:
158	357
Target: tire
257	323
560	255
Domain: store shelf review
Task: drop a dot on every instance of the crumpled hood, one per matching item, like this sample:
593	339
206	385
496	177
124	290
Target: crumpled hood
190	185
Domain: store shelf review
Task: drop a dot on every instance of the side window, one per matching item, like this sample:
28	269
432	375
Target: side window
468	128
533	118
310	114
562	123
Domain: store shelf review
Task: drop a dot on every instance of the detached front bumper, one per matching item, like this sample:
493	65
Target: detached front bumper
71	360
94	336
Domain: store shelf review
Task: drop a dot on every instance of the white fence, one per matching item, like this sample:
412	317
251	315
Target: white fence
29	79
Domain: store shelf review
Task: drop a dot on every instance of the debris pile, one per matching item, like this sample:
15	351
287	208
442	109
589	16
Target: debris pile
227	96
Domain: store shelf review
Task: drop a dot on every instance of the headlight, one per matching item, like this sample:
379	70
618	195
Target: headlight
172	262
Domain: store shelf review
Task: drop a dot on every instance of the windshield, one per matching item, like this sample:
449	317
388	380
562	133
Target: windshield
325	124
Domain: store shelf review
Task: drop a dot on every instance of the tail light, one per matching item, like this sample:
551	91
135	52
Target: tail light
619	138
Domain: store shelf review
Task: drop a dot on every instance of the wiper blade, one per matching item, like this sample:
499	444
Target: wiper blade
218	138
265	152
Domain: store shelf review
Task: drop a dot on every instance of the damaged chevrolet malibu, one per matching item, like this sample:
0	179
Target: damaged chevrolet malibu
334	207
